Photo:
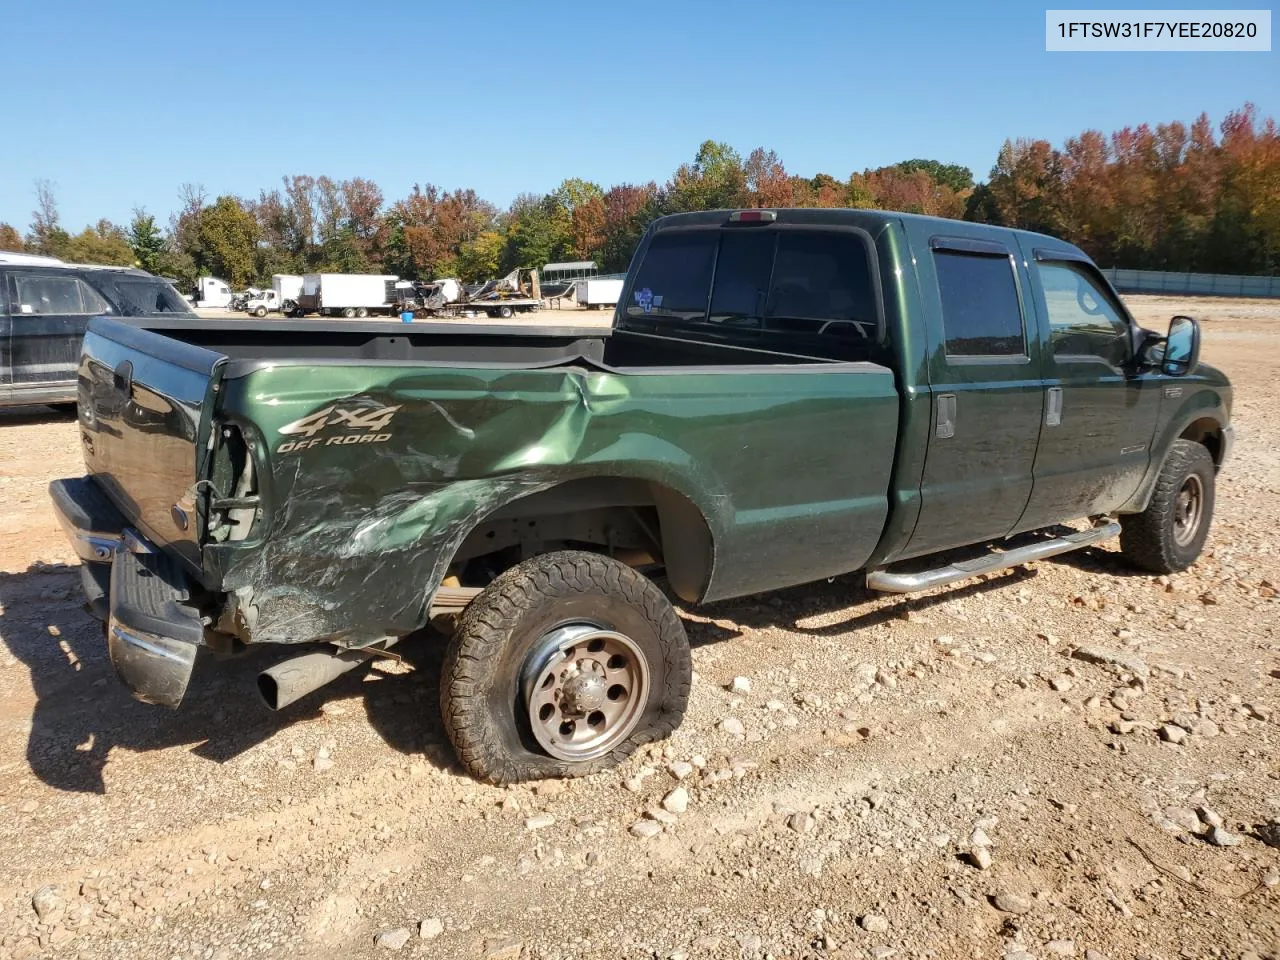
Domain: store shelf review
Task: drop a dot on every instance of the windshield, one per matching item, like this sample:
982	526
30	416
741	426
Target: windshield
142	296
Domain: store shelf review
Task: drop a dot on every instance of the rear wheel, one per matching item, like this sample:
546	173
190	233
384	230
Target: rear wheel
349	312
563	666
1169	535
362	313
504	312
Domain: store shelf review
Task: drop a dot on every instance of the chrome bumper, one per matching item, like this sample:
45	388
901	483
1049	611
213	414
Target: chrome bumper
153	633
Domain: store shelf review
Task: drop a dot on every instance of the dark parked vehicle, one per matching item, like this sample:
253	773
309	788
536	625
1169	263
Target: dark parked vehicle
45	306
784	396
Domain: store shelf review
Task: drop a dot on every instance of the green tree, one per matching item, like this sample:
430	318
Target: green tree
228	238
145	240
951	175
479	259
10	239
104	243
715	180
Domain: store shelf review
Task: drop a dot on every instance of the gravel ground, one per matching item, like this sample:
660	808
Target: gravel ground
858	777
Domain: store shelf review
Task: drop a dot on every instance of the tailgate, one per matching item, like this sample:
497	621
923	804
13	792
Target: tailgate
145	410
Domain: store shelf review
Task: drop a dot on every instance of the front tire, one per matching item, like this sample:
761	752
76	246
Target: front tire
562	667
1168	536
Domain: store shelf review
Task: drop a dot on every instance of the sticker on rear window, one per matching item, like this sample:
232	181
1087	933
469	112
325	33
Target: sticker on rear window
645	299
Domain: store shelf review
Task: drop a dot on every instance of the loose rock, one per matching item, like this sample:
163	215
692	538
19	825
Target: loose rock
740	686
980	857
430	928
800	822
677	801
1220	837
46	901
732	726
1172	733
392	939
1113	658
1008	902
539	821
874	923
645	829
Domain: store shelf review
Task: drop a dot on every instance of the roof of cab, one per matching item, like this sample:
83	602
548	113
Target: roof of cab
856	216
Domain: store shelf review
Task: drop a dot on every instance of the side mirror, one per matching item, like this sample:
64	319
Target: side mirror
1181	347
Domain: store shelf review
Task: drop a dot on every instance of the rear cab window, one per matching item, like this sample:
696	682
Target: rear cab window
799	289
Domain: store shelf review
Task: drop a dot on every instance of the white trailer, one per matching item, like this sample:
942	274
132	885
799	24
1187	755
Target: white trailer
288	286
596	294
347	294
212	293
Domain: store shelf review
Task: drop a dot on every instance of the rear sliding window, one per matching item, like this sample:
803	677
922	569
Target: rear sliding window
800	290
981	314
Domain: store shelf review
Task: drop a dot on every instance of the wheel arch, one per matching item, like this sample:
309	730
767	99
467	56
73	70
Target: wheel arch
583	508
1202	418
1206	431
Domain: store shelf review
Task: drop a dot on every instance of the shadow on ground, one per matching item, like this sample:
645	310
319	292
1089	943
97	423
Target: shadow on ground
18	416
82	712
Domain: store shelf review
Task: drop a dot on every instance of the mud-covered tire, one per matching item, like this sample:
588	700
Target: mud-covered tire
484	708
1160	539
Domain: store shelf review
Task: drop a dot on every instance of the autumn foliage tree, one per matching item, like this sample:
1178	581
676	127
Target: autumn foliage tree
1170	196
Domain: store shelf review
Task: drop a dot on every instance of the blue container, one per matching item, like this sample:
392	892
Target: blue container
406	317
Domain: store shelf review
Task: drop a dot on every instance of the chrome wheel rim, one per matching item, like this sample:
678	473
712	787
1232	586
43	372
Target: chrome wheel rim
584	689
1187	510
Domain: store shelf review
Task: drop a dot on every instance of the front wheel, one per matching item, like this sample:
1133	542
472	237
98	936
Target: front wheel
562	667
260	312
1169	535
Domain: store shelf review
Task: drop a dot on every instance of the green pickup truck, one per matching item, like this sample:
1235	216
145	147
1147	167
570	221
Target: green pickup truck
783	396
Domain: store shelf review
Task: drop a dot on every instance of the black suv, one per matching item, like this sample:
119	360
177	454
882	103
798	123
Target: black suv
45	306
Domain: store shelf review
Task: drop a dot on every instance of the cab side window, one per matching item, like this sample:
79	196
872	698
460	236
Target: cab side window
1083	320
93	301
46	296
981	312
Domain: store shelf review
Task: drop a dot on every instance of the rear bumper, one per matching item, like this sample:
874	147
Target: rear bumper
153	632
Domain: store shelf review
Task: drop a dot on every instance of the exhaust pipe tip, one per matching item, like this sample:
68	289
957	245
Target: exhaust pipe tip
292	679
269	690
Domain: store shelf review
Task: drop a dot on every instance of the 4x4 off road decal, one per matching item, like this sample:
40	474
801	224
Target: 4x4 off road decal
360	425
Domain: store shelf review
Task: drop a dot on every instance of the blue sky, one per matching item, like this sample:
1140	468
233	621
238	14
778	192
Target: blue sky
120	104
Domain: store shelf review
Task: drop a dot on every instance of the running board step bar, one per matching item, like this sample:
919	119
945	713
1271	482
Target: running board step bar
886	581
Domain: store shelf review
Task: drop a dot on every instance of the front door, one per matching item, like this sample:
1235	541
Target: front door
1100	414
987	395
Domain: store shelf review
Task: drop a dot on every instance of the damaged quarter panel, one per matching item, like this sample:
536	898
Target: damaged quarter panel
372	475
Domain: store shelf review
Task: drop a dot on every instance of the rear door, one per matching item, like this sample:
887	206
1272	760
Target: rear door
985	379
1100	413
50	312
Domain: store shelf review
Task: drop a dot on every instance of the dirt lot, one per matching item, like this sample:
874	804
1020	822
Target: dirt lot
887	746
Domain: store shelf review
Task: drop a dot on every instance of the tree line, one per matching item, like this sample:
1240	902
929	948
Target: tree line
1168	197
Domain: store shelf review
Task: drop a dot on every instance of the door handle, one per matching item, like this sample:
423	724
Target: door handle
946	423
1053	408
